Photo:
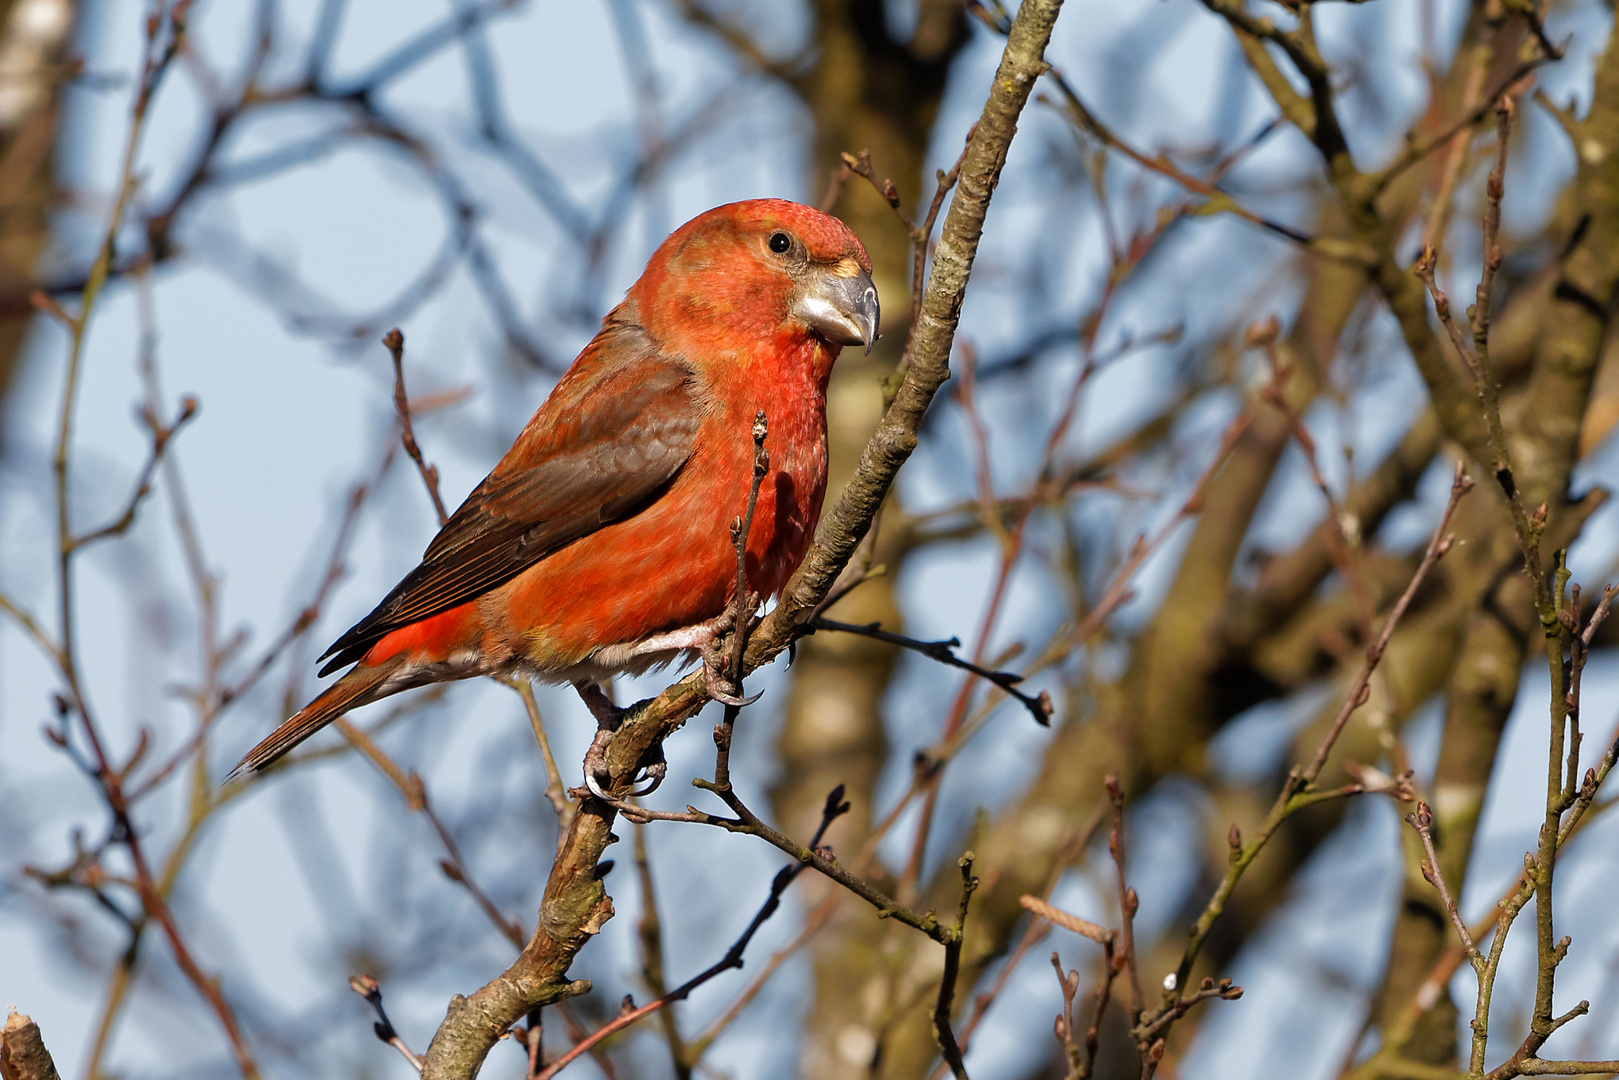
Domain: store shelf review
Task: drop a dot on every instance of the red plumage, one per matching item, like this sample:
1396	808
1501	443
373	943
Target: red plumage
600	542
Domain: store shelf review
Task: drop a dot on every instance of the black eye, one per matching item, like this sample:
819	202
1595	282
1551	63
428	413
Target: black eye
780	242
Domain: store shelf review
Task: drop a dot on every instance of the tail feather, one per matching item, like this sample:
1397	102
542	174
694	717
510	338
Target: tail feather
359	687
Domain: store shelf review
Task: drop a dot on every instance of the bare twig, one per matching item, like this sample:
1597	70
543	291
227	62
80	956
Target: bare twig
1476	355
1084	928
162	434
1422	821
1040	707
556	792
368	988
741	530
942	1033
919	233
1128	903
394	341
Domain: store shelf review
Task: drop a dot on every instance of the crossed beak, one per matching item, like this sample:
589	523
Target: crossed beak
840	304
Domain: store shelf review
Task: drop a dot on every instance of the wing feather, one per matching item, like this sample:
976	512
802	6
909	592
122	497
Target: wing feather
610	439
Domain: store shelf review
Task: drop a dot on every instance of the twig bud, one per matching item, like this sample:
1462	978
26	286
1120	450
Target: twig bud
367	987
1423	818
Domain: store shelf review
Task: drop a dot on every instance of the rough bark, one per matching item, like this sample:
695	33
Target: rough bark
22	1051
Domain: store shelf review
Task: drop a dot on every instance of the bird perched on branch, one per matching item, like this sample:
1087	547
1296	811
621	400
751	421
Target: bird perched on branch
600	544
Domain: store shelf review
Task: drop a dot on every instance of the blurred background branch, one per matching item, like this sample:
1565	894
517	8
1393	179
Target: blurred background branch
1201	421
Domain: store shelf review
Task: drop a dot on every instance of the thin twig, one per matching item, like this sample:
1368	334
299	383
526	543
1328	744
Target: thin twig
942	1033
556	792
1083	927
1128	903
741	531
414	791
1040	707
368	988
1422	821
162	436
394	341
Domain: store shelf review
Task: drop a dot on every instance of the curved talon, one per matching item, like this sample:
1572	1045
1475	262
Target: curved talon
653	775
595	764
597	773
720	690
731	699
595	788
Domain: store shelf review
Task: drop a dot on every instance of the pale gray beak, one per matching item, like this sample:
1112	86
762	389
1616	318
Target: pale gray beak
842	307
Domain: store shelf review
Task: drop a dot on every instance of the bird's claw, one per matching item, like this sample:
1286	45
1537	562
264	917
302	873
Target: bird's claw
722	690
653	774
595	764
716	663
598	775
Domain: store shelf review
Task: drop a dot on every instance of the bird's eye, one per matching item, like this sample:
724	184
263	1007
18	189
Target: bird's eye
780	242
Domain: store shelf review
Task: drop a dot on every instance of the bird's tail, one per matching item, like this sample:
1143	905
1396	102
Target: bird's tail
362	685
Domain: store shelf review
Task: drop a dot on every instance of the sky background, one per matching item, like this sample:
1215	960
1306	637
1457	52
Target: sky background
306	879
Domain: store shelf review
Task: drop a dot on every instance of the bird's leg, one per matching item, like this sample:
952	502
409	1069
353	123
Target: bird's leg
609	717
720	682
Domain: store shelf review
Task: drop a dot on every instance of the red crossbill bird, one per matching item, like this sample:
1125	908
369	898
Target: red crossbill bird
600	544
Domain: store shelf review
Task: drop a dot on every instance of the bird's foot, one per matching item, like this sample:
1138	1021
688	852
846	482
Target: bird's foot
718	680
597	776
609	718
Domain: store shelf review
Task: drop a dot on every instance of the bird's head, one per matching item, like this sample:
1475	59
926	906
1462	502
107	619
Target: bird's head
758	270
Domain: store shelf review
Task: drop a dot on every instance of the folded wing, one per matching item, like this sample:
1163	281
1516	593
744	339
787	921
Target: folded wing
608	442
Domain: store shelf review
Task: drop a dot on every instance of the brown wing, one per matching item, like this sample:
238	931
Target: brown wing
608	441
